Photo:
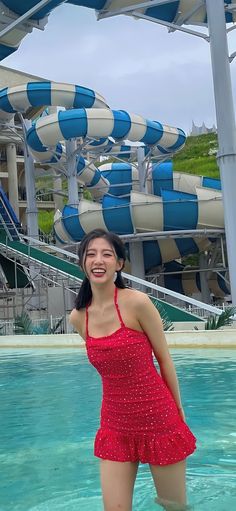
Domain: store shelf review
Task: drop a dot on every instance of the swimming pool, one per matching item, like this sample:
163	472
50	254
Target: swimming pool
49	412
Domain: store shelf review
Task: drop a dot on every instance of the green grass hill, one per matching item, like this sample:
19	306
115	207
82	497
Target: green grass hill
198	156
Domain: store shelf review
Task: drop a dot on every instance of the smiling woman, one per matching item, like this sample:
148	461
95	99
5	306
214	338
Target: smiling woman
107	245
100	259
142	419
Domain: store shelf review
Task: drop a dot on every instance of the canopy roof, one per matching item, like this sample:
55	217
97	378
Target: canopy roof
17	19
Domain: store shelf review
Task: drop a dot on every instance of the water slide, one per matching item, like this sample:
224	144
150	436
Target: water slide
174	201
188	12
178	201
16	257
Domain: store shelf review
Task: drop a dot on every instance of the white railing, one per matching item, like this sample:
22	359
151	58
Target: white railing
8	327
54	248
183	299
149	287
200	312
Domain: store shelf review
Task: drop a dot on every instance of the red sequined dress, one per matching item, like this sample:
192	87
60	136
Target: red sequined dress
139	417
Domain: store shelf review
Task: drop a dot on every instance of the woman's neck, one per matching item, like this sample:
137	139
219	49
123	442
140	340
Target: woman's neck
102	295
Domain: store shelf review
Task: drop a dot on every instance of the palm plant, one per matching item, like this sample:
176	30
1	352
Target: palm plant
167	323
225	319
23	324
42	328
2	327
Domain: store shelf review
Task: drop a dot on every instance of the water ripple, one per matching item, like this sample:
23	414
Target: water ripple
49	411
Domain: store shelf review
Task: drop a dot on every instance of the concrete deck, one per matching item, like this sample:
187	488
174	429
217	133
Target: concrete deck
181	339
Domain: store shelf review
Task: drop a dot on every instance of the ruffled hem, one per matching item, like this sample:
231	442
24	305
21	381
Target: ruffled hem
153	448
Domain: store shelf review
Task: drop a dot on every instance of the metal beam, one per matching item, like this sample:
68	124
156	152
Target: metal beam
222	276
73	192
197	233
184	271
172	26
132	9
232	56
230	29
31	210
7	16
230	7
24	17
106	13
181	19
226	128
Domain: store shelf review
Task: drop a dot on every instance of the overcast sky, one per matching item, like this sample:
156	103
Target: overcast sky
136	65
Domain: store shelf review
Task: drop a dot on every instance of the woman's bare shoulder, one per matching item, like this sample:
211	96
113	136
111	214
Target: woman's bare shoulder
77	319
75	314
133	296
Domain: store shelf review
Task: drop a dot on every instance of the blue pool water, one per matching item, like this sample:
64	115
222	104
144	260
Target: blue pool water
49	412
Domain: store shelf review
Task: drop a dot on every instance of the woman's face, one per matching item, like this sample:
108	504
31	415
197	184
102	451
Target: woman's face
100	261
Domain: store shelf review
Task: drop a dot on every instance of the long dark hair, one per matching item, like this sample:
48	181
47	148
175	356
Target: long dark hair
84	296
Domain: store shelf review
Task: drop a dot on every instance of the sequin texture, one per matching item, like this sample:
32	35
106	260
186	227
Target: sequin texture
139	418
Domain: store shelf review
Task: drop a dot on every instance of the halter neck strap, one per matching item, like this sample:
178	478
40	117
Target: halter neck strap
117	306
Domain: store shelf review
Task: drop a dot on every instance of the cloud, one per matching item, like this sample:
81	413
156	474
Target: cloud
137	65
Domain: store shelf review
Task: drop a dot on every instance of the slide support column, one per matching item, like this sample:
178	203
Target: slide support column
226	129
136	247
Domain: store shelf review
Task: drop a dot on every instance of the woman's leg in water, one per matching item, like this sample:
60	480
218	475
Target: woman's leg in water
170	483
117	482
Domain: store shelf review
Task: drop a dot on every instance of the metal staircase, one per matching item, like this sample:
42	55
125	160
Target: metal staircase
45	264
8	219
39	262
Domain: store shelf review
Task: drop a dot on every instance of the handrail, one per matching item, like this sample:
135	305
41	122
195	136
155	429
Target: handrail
145	284
30	257
174	294
54	248
5	226
11	223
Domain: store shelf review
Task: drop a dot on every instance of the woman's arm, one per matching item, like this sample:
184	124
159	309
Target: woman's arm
150	321
77	320
169	375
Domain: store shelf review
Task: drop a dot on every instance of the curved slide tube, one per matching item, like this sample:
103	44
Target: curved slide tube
160	177
135	212
188	282
88	115
36	94
103	122
107	147
182	11
174	206
140	212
